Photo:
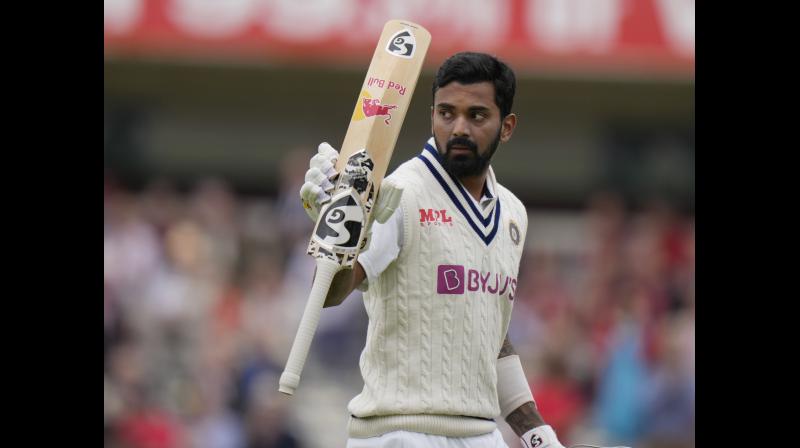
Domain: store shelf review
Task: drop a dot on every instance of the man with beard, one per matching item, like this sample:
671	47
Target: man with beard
439	277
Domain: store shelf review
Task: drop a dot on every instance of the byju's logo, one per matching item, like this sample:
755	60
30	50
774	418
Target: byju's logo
451	279
455	279
434	217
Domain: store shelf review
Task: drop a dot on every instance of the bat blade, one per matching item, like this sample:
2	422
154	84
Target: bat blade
340	231
386	94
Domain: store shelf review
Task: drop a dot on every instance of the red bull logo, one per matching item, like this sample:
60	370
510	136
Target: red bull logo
372	107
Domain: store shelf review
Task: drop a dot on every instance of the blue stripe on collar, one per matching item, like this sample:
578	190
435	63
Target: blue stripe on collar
486	191
487	239
491	235
485	220
434	152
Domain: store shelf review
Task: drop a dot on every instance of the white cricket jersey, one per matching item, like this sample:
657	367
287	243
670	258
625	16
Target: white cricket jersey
439	303
387	238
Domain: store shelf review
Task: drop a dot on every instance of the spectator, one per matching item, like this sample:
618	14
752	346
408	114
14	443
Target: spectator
203	292
559	396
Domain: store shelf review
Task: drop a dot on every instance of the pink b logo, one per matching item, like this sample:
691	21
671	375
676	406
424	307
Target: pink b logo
450	279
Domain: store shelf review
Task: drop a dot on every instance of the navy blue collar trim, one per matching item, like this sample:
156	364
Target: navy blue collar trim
486	191
485	220
487	239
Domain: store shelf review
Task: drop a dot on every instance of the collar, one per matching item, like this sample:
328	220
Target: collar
482	216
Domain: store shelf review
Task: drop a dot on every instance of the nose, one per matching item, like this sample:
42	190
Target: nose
461	127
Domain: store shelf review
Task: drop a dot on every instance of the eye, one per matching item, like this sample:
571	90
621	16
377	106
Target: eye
479	116
446	114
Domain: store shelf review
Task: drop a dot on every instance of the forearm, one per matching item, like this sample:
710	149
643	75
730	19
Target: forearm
525	417
344	282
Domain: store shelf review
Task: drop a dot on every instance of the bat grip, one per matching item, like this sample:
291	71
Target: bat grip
326	270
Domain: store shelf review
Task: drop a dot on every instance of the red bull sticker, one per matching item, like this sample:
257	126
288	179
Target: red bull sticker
371	107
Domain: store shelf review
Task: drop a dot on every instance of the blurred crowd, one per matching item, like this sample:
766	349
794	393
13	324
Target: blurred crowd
606	331
203	289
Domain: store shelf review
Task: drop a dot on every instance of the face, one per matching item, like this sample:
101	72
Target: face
467	127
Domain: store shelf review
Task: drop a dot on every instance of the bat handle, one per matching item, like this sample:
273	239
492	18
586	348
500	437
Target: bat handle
326	270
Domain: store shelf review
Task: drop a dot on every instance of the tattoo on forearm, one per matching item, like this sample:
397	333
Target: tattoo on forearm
507	349
524	418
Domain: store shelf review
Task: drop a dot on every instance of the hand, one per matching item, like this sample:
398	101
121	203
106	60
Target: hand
581	445
387	201
541	437
320	179
545	437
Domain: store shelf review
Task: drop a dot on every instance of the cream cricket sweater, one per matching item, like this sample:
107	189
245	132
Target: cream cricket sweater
438	315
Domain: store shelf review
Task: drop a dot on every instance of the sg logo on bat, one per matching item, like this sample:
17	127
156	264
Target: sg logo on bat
402	44
341	223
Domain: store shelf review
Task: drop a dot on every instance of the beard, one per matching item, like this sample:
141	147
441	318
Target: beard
465	165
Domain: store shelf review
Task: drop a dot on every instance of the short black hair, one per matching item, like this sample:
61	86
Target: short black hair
469	68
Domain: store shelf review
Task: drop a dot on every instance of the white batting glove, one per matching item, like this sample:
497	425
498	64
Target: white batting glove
541	437
320	179
387	202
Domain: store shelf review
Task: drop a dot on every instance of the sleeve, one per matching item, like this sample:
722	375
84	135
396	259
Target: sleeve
384	247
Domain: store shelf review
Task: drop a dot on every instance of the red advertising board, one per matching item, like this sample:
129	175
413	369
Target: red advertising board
580	36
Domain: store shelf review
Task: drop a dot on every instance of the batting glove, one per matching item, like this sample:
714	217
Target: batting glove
388	200
545	437
320	179
541	437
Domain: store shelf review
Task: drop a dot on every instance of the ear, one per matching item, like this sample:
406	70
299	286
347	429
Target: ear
432	120
507	127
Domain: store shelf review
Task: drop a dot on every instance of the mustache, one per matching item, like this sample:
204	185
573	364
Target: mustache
462	141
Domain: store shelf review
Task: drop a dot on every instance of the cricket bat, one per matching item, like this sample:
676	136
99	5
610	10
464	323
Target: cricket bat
340	231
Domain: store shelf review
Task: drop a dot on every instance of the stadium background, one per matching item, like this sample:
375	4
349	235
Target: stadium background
211	112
